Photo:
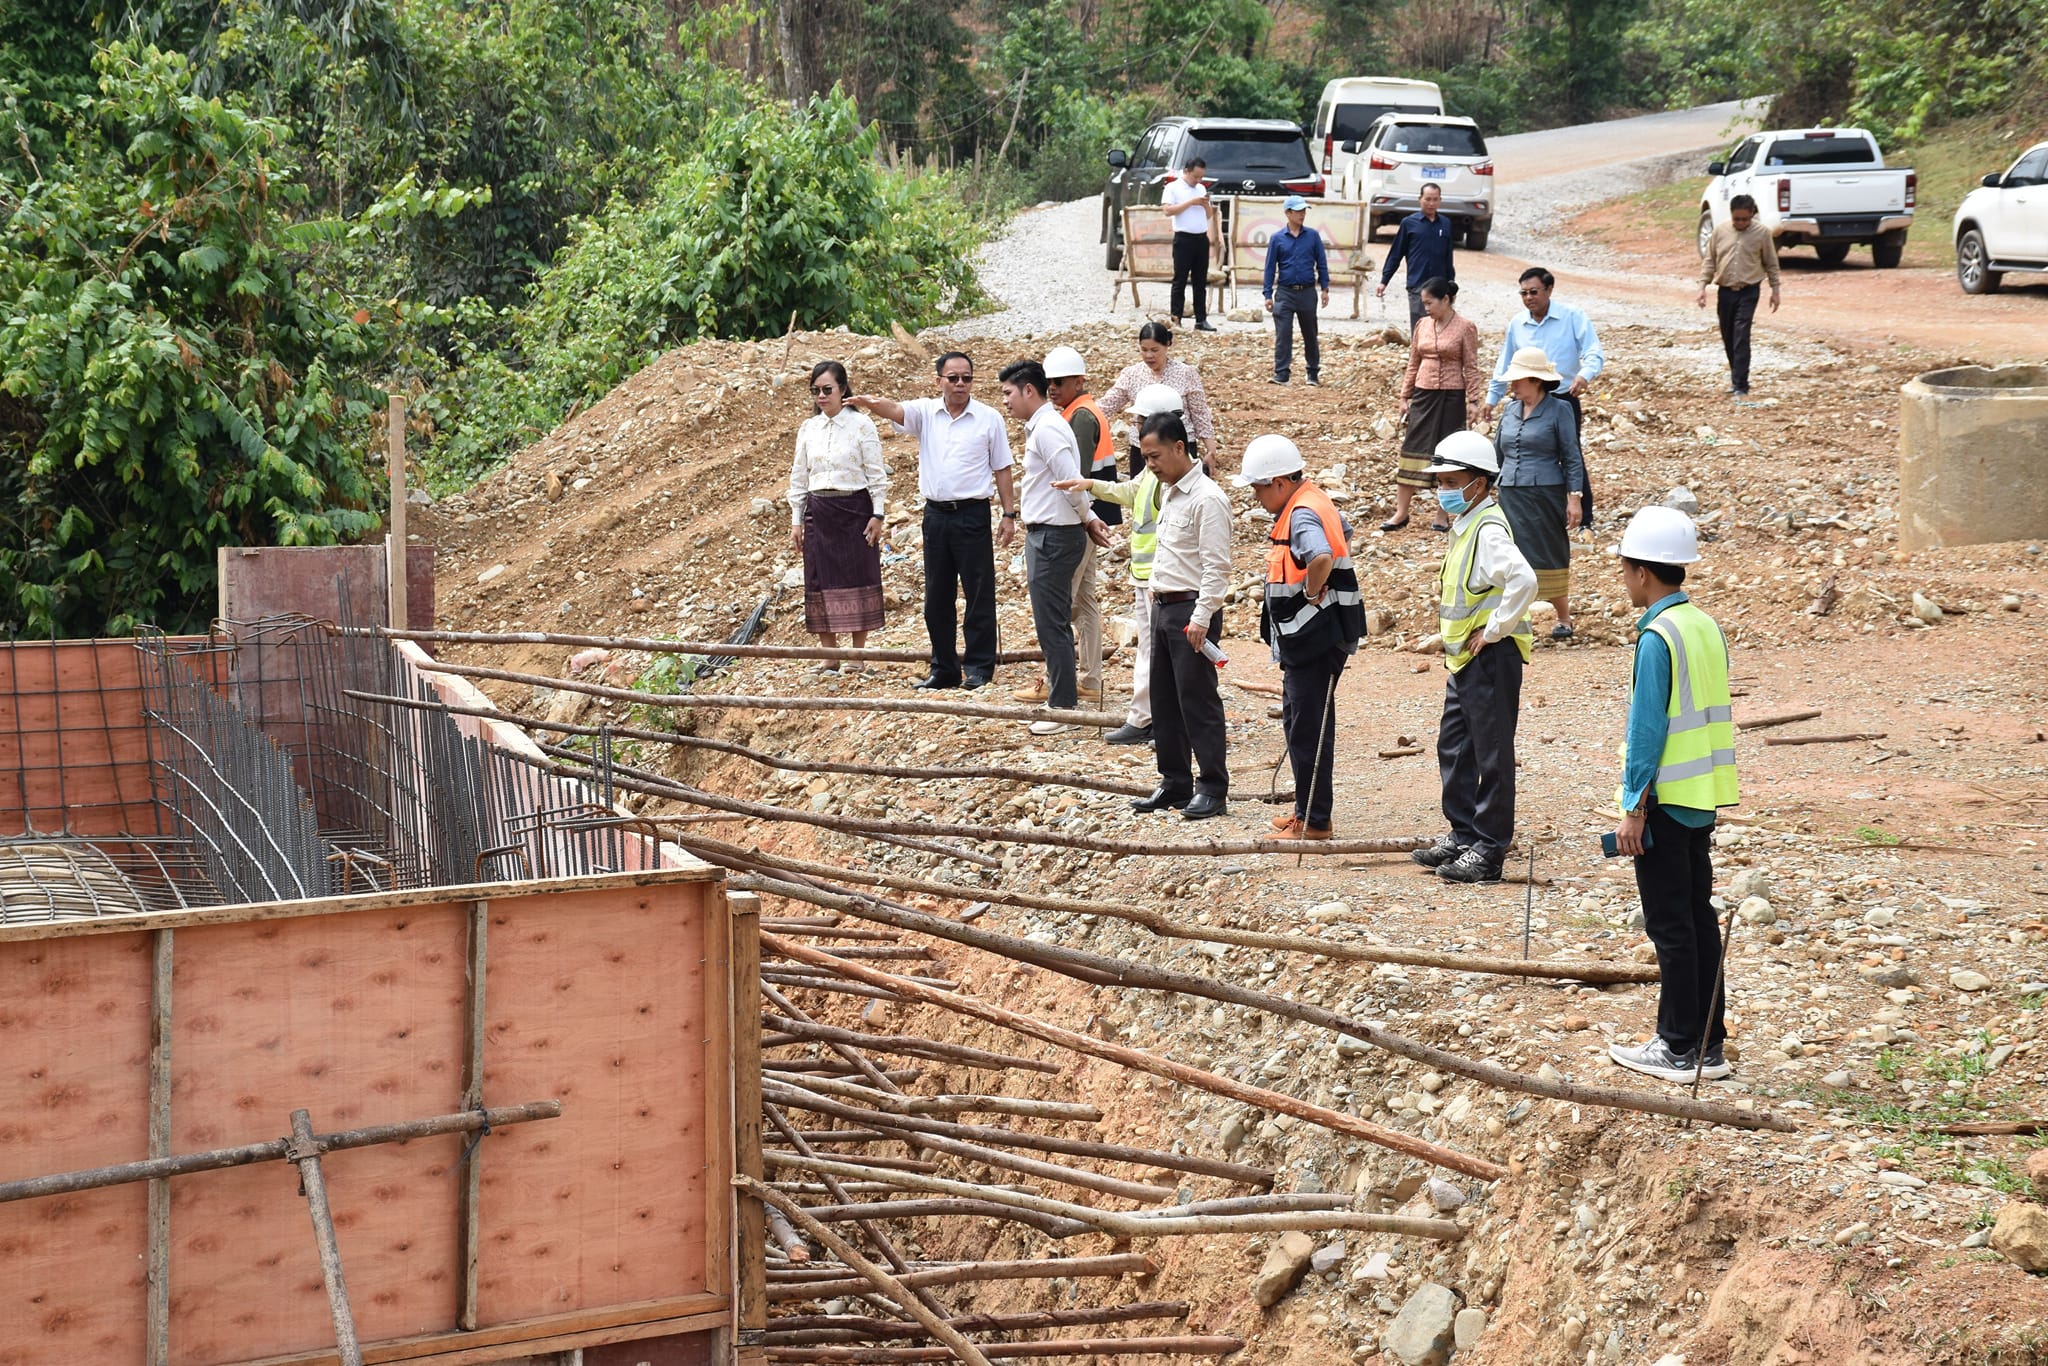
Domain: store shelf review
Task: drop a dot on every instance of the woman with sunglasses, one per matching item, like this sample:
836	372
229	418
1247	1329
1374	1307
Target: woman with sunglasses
836	486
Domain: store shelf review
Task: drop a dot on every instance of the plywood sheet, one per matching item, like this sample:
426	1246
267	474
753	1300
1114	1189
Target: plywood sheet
74	1093
357	1018
606	1204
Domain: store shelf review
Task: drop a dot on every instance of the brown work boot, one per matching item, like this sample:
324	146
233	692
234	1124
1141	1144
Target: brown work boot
1305	832
1037	691
1287	824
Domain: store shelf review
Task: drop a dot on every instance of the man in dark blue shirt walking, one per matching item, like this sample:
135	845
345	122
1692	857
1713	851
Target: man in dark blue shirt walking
1297	266
1424	241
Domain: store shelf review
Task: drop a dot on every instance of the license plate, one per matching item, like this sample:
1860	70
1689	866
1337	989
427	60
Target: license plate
1435	172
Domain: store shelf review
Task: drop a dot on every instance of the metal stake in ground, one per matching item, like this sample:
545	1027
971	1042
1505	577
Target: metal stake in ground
305	1151
1707	1023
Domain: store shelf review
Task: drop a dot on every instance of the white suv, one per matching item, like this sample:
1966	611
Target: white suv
1405	152
2003	225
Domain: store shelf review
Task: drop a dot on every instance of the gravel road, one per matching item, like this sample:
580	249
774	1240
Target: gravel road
1046	269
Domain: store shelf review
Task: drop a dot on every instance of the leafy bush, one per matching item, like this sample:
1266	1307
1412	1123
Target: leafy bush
776	213
173	379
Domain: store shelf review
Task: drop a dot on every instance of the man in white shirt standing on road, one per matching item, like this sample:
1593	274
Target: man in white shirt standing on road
1058	525
962	449
1187	200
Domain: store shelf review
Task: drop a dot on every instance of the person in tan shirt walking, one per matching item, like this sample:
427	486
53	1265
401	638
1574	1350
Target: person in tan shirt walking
1739	258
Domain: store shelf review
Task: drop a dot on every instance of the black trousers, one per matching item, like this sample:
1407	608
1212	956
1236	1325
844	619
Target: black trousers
960	551
1475	748
1190	267
1292	304
1675	878
1308	717
1737	309
1187	706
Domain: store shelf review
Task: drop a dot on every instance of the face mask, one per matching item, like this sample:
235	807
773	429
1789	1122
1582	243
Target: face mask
1453	501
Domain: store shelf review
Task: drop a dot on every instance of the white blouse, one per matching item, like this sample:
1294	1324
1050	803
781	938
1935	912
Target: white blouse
836	455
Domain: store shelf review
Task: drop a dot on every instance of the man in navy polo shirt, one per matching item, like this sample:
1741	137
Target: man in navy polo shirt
1297	266
1424	241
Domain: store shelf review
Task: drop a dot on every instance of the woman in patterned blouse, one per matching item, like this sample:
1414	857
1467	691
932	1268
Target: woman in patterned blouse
836	487
1156	365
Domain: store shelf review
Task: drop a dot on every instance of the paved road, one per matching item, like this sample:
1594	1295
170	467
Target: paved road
1523	157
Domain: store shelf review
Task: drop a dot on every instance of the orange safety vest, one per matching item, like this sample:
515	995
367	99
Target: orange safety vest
1289	615
1102	460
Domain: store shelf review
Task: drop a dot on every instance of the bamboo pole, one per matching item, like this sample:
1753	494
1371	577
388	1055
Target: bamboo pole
1102	970
1850	738
861	1212
954	1105
875	1275
799	1098
304	1152
1583	970
1785	720
958	1273
1179	1071
765	759
157	1301
997	834
649	645
799	1329
1191	1345
395	541
926	706
121	1173
934	1050
750	1230
1157	1223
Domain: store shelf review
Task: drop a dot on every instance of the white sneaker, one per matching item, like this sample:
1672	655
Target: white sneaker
1049	727
1655	1059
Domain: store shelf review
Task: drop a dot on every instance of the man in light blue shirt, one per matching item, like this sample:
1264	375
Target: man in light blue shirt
1563	332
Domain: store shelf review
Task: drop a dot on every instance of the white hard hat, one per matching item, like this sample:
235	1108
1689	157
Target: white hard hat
1465	451
1154	399
1268	457
1661	535
1064	362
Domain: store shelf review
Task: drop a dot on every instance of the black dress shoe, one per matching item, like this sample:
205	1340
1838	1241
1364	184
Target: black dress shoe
1203	807
932	683
1163	800
1128	734
1211	327
978	681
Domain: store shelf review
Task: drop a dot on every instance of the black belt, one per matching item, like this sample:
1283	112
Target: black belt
956	504
1310	285
1158	596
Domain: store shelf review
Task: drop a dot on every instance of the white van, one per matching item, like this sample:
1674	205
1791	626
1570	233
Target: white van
1351	105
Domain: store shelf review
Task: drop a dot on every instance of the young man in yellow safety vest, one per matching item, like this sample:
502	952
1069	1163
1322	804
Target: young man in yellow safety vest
1142	498
1678	768
1312	617
1484	590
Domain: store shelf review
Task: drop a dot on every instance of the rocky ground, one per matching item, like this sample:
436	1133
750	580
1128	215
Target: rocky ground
1887	975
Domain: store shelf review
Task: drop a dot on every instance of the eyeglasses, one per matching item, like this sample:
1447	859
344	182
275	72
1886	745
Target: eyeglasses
957	379
1531	293
824	390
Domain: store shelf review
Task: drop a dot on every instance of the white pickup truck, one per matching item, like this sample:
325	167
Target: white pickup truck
1825	188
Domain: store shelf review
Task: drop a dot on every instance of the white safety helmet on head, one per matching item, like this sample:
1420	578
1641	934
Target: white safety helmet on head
1465	451
1064	362
1154	399
1266	458
1661	535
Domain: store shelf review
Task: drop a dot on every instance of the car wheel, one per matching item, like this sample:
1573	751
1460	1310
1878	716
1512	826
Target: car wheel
1973	265
1832	253
1475	238
1889	249
1706	233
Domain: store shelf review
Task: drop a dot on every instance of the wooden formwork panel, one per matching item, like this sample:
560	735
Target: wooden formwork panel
609	993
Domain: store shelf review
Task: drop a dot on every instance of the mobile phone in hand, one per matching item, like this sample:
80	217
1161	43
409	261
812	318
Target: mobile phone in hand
1608	847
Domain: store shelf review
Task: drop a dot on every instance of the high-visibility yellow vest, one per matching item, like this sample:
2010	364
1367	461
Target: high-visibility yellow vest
1463	605
1145	527
1697	768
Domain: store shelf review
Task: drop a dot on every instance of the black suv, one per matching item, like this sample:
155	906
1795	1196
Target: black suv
1243	156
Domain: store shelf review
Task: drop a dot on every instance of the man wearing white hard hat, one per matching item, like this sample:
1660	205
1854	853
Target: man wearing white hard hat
1312	616
1484	590
1678	769
1142	498
1066	386
1296	265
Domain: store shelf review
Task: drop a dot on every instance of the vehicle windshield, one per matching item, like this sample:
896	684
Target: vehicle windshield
1277	155
1433	140
1823	151
1352	122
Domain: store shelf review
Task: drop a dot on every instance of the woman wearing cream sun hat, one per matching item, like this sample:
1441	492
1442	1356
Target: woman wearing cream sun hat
1542	476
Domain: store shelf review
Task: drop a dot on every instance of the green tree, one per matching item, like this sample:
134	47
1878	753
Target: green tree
174	381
